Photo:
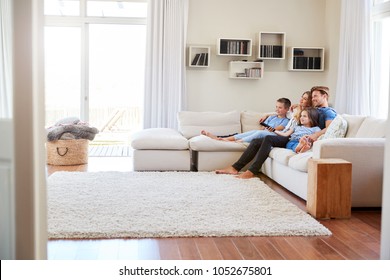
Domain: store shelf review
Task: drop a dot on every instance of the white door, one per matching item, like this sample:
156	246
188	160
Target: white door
7	196
23	232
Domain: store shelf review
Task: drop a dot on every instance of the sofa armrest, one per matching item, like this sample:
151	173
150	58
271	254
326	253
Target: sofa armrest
351	149
367	158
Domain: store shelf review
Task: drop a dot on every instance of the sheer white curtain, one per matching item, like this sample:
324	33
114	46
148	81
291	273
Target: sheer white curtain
353	83
5	59
165	86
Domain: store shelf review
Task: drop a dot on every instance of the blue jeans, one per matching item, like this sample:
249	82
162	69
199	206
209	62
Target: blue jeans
252	134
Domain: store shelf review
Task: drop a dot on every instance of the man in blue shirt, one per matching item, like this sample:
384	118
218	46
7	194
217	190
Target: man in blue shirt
259	149
327	114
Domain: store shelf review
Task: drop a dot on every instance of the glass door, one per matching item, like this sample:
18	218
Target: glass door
94	64
62	73
116	80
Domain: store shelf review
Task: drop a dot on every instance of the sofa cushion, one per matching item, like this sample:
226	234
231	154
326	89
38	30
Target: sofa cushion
250	120
159	139
281	155
372	128
204	143
354	122
192	123
299	161
337	128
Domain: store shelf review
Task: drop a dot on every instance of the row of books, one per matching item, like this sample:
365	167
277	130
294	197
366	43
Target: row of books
201	59
306	62
254	72
234	47
271	51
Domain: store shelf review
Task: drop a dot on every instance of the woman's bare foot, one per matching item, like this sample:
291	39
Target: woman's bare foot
246	175
227	170
208	134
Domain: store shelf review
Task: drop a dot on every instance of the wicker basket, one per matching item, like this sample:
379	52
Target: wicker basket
67	152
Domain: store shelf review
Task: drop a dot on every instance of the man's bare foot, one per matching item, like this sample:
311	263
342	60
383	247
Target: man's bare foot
227	170
246	175
208	134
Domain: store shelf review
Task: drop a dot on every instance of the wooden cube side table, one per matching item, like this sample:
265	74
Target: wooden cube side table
329	188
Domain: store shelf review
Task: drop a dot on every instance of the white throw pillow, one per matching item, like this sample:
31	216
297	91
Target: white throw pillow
337	128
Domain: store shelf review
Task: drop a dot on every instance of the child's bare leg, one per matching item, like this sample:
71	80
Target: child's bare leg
302	142
227	170
246	175
304	145
230	138
305	148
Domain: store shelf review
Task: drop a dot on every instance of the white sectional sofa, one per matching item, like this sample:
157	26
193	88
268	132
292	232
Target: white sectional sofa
165	149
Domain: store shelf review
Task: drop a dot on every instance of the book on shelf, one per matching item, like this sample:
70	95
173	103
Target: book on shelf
234	47
223	47
307	62
254	72
317	62
272	51
196	59
201	59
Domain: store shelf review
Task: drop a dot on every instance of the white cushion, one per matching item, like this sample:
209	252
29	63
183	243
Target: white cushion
336	129
159	139
299	161
354	122
204	143
161	160
372	128
250	120
281	155
221	124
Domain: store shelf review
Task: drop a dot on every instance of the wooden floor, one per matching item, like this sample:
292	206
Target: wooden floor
110	151
353	239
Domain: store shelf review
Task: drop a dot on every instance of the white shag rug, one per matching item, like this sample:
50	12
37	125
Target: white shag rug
169	204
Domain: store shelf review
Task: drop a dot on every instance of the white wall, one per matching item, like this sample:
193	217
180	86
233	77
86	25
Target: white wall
306	25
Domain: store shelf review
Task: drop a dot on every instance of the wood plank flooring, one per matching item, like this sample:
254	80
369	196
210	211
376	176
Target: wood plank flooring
110	151
357	238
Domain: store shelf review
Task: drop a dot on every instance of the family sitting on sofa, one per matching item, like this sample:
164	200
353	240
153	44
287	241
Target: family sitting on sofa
305	127
356	138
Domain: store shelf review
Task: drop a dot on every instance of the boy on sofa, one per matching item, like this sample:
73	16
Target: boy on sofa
273	123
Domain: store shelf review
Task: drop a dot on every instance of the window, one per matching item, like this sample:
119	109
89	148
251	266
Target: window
116	9
62	72
94	64
380	81
62	7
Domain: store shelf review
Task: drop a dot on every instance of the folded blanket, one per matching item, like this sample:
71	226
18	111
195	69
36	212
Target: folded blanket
78	131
